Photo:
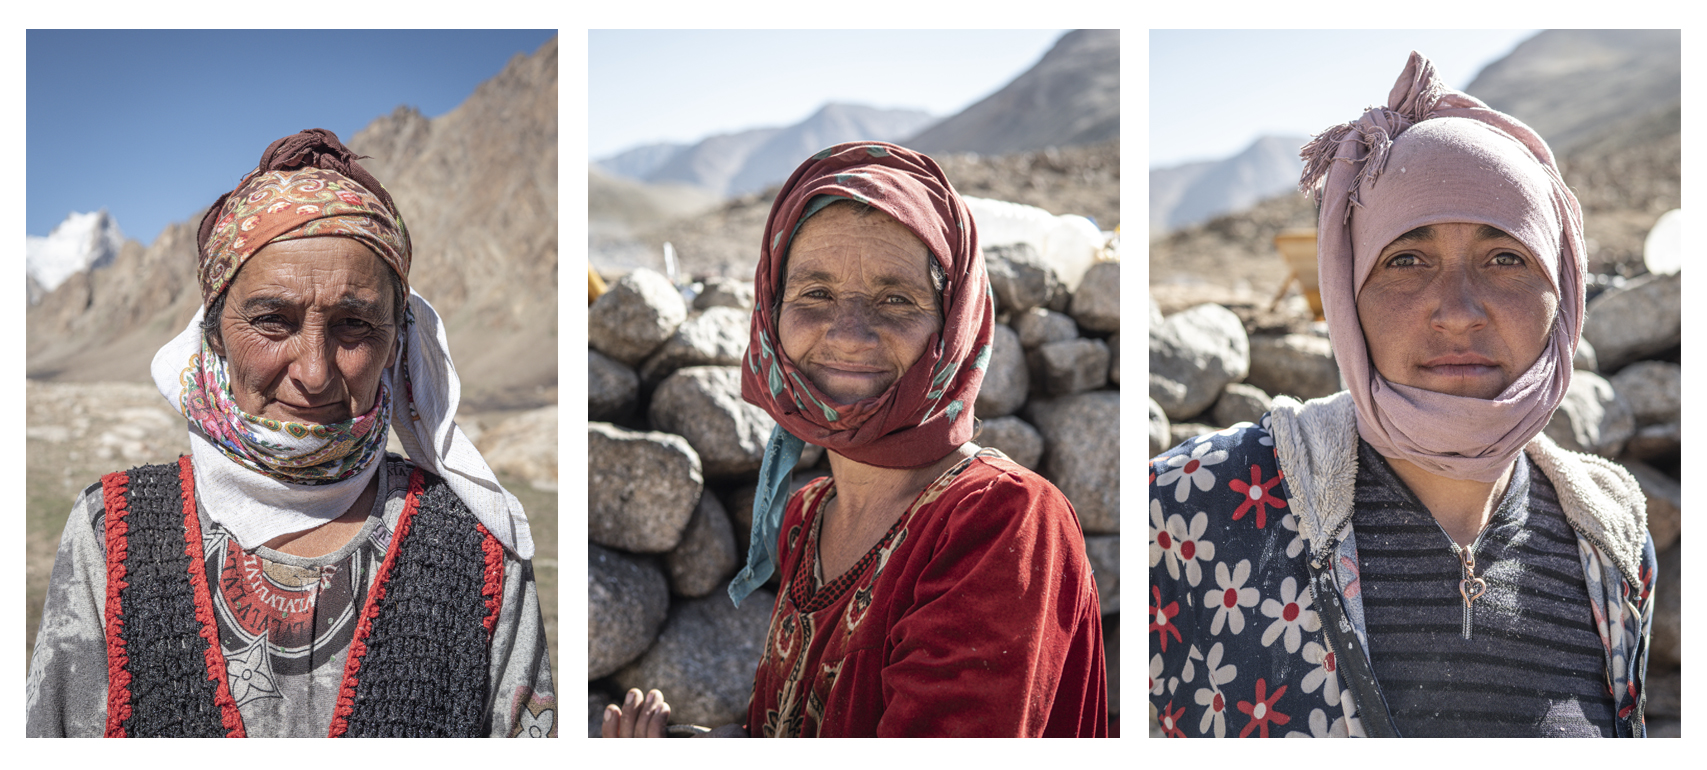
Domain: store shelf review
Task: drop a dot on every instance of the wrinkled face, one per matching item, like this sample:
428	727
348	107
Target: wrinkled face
858	307
1462	309
308	329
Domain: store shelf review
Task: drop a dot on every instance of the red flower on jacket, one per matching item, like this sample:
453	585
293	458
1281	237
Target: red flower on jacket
1170	720
1261	710
1162	618
1257	495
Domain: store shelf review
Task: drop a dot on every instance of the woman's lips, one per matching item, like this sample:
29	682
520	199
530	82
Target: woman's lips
1460	365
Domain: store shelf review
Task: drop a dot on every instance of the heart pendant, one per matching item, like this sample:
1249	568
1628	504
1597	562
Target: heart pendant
1472	589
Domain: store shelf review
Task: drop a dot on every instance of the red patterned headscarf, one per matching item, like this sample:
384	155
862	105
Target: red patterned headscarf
927	413
306	185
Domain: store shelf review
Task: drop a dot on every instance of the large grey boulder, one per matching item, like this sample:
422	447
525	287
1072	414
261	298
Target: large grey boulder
1096	303
1193	355
639	312
1297	365
1074	366
1654	390
1015	437
1637	320
1593	418
706	555
1006	378
1040	325
1161	433
705	658
1020	277
1103	552
1240	402
1081	453
714	337
1653	441
1668	608
627	600
1665	502
613	389
719	291
1114	359
1585	358
641	488
703	404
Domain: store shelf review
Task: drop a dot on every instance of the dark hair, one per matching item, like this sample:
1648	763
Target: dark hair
210	320
939	276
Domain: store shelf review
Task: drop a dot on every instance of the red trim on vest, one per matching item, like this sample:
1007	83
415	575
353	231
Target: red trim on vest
370	610
215	654
493	588
113	486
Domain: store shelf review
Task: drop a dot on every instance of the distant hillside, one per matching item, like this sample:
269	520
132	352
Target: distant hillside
749	161
1569	84
1194	192
1070	97
478	188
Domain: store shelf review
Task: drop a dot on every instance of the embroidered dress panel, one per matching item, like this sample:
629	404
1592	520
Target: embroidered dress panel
1533	665
976	615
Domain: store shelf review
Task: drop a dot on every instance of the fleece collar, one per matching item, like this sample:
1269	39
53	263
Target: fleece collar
1315	443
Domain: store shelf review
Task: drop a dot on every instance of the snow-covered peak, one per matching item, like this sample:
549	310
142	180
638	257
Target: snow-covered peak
80	242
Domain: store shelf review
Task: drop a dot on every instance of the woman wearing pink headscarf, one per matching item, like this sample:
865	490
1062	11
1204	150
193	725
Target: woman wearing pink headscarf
928	587
1413	556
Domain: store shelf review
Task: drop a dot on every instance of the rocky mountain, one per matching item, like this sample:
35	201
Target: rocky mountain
81	242
1570	84
641	161
1070	97
749	161
1194	192
478	188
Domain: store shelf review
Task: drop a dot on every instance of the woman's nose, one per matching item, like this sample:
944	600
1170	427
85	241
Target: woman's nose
311	365
853	323
1459	304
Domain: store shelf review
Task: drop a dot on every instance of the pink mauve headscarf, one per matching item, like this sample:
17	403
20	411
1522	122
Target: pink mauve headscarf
1433	156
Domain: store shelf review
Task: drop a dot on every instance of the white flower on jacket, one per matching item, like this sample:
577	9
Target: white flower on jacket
1186	546
1186	470
1211	697
1325	674
1230	594
1292	615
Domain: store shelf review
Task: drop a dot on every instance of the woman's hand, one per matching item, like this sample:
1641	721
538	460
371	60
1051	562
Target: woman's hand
638	716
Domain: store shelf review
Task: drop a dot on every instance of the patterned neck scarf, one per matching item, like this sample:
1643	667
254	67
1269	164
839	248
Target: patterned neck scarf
1433	156
264	478
925	414
286	451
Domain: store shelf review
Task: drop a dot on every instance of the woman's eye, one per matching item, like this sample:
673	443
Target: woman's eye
897	299
1402	260
1507	258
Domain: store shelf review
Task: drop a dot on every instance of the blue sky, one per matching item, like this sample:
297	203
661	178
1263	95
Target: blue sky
1213	92
155	124
647	86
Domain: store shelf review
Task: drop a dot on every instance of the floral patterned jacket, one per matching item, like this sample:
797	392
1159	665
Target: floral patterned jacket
1252	550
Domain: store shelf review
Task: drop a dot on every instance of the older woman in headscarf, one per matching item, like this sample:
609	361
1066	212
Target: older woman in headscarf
928	587
1412	557
288	577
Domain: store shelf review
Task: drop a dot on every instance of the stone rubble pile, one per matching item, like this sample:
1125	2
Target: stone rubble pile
1625	403
674	453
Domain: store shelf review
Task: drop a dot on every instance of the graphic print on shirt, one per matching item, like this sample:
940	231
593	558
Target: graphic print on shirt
278	619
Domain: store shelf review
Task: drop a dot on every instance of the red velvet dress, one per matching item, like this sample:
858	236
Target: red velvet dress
976	615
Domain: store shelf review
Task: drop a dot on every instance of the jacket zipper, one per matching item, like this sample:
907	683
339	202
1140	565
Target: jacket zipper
1470	587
